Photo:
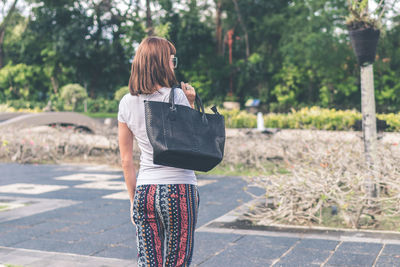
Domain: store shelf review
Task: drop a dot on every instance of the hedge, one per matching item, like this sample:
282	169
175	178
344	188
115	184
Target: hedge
307	118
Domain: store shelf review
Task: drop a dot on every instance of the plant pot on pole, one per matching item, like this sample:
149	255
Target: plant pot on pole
365	42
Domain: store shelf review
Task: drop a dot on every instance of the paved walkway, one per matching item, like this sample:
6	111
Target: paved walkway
70	215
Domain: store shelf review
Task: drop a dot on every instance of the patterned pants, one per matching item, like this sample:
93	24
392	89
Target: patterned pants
165	216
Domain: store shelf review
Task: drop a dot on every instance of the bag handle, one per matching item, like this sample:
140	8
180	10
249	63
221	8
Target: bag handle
172	97
199	103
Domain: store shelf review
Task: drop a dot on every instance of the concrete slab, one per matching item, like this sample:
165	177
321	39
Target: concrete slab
305	257
207	245
119	252
351	259
393	250
87	177
387	261
107	185
359	248
32	206
32	258
319	244
245	251
30	189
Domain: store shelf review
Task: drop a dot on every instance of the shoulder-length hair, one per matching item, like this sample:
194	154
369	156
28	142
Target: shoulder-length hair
151	67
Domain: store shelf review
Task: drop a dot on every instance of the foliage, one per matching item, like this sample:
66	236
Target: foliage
101	115
392	120
306	118
299	53
22	82
359	16
121	92
313	118
73	96
4	108
238	119
25	106
101	105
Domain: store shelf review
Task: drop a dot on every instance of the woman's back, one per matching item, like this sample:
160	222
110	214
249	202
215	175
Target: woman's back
131	112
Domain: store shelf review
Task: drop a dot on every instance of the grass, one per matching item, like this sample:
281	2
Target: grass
330	220
268	168
100	114
386	223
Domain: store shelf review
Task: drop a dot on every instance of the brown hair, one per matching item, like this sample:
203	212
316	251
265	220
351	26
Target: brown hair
150	67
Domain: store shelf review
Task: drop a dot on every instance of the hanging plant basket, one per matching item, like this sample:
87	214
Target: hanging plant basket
364	42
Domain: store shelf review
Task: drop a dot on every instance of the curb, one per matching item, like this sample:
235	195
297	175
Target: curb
231	222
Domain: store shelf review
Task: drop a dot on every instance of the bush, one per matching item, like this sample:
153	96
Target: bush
306	118
392	120
26	106
4	108
73	95
313	118
22	81
57	103
121	92
239	119
101	105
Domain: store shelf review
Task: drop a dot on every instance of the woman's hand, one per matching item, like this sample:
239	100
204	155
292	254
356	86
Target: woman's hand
189	92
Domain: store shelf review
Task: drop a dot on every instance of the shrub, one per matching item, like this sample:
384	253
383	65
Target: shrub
101	105
4	108
57	103
121	92
392	120
22	81
73	95
313	118
306	118
239	119
25	106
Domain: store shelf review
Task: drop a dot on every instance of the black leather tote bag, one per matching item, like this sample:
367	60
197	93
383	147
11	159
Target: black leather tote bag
183	137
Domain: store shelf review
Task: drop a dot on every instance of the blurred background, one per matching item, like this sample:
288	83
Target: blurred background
288	54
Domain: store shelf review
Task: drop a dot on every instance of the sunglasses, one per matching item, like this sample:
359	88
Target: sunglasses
175	61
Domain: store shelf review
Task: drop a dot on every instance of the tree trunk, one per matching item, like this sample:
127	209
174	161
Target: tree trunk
369	124
218	30
3	27
149	21
246	36
54	84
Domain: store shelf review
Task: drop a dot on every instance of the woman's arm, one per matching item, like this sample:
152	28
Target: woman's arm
125	140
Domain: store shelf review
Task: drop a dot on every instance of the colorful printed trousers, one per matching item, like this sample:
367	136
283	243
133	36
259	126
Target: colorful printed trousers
165	216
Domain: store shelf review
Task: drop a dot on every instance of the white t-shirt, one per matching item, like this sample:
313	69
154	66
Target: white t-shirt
131	112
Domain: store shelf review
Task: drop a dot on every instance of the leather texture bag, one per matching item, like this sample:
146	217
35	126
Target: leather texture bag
183	137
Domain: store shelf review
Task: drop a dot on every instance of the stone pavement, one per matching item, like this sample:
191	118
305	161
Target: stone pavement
78	215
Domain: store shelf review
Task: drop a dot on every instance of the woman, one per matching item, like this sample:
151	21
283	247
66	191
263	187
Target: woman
164	200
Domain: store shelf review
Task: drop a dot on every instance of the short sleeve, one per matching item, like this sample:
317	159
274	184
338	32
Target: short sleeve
180	98
122	111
